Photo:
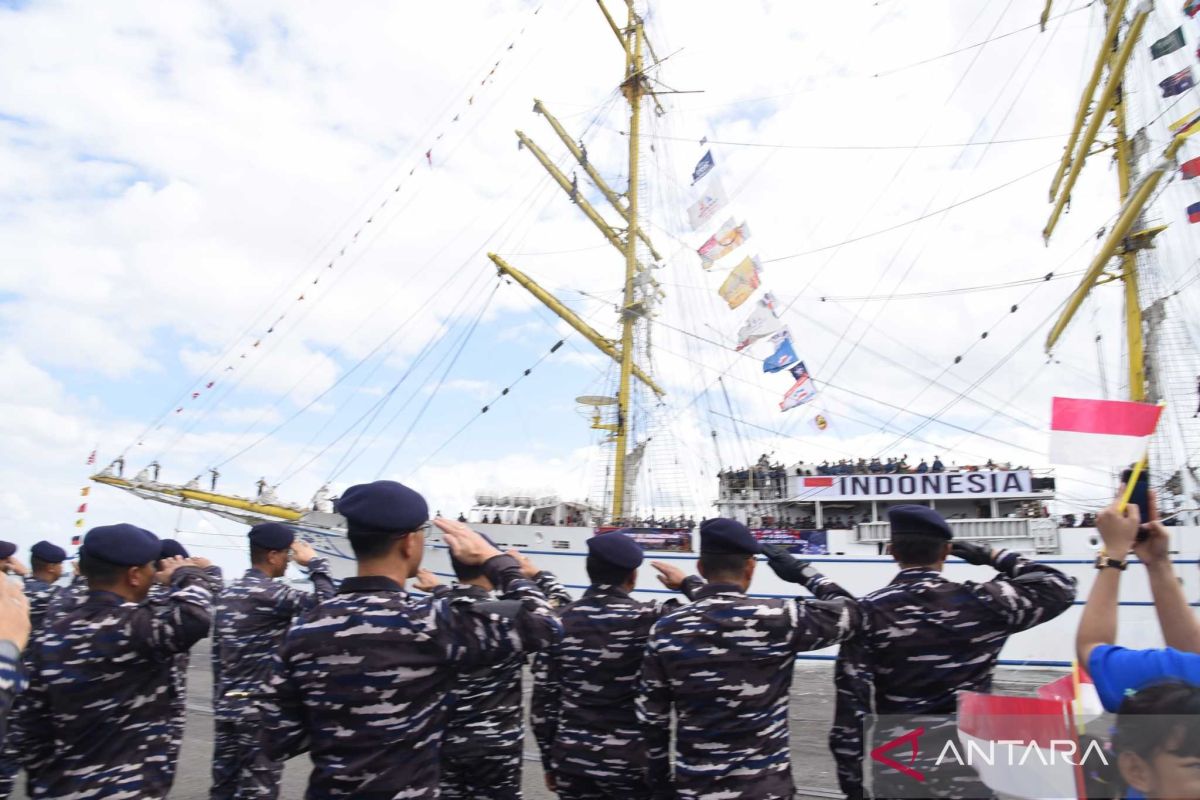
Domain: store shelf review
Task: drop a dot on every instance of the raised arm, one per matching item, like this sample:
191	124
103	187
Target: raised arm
1025	593
1180	627
184	617
1098	624
797	570
822	623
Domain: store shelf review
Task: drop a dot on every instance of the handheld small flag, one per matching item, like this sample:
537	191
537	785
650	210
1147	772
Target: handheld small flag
783	357
1100	433
1178	83
705	165
1168	44
1194	212
1190	168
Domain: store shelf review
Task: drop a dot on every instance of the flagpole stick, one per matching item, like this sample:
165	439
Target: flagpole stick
1133	477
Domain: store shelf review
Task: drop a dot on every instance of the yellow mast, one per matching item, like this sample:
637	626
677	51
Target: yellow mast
1122	240
633	89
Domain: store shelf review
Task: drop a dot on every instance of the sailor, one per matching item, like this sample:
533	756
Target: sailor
46	560
584	688
482	746
724	662
249	620
924	638
361	681
96	719
67	597
158	599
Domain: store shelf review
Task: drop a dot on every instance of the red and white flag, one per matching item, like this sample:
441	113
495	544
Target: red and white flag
1100	433
1078	690
1022	746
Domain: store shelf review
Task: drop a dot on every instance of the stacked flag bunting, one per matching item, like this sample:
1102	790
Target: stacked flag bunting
743	280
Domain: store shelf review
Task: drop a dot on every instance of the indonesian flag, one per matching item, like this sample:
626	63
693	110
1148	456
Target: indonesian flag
1100	433
1021	746
1078	690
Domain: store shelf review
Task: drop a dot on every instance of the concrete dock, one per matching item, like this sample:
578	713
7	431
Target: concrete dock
811	713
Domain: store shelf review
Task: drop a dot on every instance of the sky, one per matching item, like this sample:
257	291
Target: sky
293	202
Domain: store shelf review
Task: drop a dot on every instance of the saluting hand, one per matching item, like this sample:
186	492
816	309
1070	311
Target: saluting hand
426	580
465	544
13	564
302	552
14	614
528	568
972	553
785	565
169	565
670	575
200	561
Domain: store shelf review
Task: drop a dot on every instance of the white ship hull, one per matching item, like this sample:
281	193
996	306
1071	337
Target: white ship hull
857	567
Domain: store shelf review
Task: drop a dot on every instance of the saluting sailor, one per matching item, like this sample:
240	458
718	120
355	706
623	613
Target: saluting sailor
724	663
361	682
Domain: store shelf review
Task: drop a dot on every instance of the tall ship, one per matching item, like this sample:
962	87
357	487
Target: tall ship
662	465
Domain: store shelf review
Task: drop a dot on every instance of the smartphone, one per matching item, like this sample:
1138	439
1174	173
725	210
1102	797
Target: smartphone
1140	498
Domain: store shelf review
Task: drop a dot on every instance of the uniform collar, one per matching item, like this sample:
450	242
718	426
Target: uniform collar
605	590
711	589
255	572
106	598
914	574
369	583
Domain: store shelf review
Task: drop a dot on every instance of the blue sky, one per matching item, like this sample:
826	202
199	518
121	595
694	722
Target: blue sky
170	182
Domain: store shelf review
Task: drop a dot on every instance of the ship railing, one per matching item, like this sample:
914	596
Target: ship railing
1038	534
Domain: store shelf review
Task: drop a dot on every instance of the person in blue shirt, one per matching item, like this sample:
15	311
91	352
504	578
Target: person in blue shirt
1119	671
1157	741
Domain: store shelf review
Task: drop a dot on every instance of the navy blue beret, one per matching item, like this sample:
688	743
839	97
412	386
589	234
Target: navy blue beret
727	536
617	549
48	552
272	536
124	545
169	548
383	507
7	549
919	520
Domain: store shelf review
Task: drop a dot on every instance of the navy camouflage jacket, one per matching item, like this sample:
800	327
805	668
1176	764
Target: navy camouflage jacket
361	681
97	715
40	594
584	687
924	638
486	706
250	618
724	662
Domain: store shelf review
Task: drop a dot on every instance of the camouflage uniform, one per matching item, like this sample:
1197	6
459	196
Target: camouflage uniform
12	683
482	747
361	682
97	719
249	621
725	662
66	598
922	640
158	600
584	689
40	595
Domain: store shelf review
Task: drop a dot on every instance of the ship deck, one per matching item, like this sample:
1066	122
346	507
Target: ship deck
811	712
